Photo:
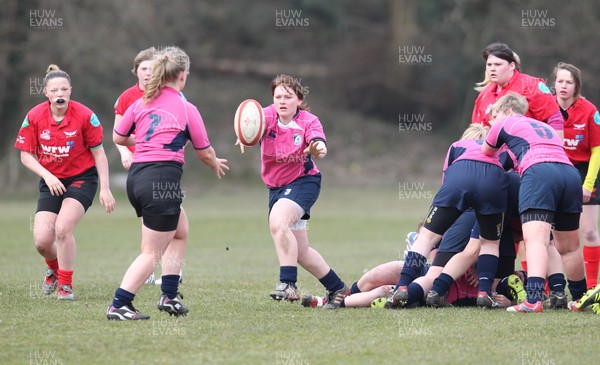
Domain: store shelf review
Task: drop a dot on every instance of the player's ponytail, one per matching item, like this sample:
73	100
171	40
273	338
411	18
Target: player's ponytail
475	131
168	64
54	71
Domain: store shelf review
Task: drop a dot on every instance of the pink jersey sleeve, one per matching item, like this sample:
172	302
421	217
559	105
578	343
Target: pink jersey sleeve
197	130
314	130
126	125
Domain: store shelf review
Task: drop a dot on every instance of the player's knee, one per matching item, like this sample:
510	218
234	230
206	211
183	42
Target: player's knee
589	235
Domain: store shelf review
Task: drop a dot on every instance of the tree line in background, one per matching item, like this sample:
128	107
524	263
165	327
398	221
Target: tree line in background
366	65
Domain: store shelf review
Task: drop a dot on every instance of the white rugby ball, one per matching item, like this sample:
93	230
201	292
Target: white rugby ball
249	123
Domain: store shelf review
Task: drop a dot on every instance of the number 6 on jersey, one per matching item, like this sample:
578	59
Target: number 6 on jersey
249	122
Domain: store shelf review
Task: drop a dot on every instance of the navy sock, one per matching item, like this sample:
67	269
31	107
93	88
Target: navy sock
502	288
170	285
415	294
556	282
534	289
288	274
354	289
412	269
331	281
122	297
577	288
487	266
442	284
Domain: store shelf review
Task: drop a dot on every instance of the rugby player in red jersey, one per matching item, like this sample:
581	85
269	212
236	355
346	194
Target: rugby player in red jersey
61	142
502	68
582	144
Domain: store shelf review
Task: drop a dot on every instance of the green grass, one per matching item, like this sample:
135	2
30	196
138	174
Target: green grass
229	269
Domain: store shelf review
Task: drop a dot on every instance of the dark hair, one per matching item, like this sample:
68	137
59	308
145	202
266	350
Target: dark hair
292	83
54	72
144	55
500	50
575	73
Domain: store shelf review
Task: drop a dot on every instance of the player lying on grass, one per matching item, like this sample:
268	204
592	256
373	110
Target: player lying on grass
375	286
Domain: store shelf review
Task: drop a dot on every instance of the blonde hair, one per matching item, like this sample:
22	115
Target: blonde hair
142	56
475	131
513	101
481	85
53	72
291	83
168	64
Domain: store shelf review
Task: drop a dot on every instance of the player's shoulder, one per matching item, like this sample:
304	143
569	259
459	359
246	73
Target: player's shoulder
40	109
79	108
306	117
584	106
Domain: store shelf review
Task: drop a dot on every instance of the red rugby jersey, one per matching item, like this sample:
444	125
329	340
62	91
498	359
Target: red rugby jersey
63	149
125	100
582	130
541	102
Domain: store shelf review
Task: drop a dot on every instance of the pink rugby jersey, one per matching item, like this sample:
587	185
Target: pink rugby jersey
469	149
528	140
163	127
282	147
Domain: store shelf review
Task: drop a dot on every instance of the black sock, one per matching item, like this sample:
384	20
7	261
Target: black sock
331	281
170	285
122	297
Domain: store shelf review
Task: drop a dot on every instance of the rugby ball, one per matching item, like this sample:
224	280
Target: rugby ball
249	122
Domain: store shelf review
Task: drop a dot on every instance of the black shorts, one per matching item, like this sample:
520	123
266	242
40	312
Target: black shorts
583	169
303	191
154	191
81	187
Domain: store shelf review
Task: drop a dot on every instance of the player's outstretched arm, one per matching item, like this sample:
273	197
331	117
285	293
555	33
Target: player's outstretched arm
209	158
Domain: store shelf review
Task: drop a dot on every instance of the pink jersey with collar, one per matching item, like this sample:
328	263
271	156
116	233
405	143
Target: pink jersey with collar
528	140
282	147
163	127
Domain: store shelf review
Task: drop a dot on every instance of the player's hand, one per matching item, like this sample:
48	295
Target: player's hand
586	195
107	200
126	159
220	167
239	143
317	149
472	278
55	185
503	301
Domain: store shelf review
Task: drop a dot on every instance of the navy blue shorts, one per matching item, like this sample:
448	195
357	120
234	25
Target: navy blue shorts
457	236
473	184
583	169
553	187
304	191
81	187
154	191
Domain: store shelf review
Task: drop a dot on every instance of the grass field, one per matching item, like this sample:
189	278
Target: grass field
229	270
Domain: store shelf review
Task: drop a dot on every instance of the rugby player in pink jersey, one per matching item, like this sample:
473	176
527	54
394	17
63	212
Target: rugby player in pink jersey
470	180
142	68
292	140
164	122
550	197
61	142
